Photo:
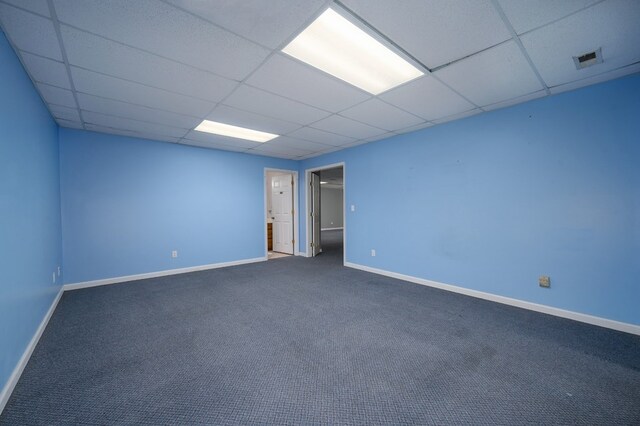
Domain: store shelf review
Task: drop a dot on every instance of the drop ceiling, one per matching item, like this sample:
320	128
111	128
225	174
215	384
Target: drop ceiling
155	69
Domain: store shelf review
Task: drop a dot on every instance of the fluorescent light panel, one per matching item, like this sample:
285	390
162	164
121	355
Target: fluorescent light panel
336	46
234	131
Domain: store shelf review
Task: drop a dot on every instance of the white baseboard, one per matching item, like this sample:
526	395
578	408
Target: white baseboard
576	316
116	280
24	359
301	253
331	229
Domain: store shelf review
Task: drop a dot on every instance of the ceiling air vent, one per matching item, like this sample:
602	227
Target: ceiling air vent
588	59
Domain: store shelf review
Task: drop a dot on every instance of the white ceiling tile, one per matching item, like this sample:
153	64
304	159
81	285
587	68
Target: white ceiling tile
47	71
302	144
355	143
249	120
161	138
382	115
114	88
380	137
65	113
347	127
494	75
302	83
135	112
518	100
162	29
527	15
209	138
254	100
99	54
620	72
131	125
611	25
56	95
270	148
131	133
269	23
69	124
326	151
426	97
436	32
29	32
270	154
320	136
458	116
414	128
306	157
37	6
211	145
332	149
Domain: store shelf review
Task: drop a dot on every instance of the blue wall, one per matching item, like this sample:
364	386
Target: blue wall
127	203
549	187
30	242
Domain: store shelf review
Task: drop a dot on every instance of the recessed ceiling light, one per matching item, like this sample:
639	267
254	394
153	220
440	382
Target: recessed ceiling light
322	183
336	46
234	131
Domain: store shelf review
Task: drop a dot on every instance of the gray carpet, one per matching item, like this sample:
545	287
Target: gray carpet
331	243
307	341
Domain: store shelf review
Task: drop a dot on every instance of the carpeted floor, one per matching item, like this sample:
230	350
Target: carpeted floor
331	243
307	341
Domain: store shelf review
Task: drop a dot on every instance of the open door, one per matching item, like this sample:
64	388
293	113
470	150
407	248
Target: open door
282	211
315	214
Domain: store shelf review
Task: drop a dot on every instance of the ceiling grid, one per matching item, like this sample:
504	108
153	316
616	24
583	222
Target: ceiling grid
65	61
520	45
265	60
156	68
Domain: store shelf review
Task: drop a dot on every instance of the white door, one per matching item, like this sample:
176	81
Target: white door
315	214
282	212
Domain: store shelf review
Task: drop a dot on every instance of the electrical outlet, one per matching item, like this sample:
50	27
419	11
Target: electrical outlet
353	207
373	252
58	271
544	281
174	254
54	277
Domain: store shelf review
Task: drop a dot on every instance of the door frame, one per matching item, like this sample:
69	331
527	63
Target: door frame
307	192
294	189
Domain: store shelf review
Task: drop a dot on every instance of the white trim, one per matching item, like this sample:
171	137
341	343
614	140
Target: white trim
307	193
301	253
331	229
296	239
576	316
115	280
24	359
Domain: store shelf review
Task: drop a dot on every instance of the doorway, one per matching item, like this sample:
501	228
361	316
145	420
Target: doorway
325	211
280	213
